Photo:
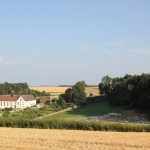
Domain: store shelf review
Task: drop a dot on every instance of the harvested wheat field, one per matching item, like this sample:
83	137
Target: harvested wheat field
45	139
55	91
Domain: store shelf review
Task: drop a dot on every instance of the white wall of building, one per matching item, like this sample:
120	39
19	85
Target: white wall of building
8	104
19	104
30	103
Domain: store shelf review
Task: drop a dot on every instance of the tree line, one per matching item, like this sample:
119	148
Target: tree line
131	90
19	89
76	94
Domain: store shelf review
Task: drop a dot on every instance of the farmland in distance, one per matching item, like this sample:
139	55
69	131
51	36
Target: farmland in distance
55	91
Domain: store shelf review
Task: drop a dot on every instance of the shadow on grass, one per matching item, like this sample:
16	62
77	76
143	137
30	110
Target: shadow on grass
99	107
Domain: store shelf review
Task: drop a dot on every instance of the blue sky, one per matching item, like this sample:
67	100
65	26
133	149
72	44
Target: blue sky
53	42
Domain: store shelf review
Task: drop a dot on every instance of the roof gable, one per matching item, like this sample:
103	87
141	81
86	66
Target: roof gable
28	97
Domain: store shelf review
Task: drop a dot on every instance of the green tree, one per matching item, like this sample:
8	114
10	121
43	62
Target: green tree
78	92
131	91
105	86
54	100
67	96
61	102
20	88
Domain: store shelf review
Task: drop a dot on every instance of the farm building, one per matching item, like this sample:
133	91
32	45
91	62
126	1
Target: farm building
42	100
17	101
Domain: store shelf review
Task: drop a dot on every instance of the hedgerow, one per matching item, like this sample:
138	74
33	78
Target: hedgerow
73	125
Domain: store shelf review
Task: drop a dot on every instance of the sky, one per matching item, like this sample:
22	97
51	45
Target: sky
61	42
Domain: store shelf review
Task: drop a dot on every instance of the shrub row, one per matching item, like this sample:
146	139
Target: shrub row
73	125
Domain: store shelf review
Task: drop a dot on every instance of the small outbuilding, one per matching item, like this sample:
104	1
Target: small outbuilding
44	100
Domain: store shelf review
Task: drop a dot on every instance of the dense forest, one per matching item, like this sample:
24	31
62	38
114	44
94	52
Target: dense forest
131	91
19	88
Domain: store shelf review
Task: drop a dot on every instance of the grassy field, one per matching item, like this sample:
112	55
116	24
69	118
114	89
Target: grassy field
99	109
55	91
89	110
1	111
29	113
45	139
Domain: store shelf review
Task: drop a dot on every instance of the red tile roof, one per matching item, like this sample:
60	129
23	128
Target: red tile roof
15	97
9	97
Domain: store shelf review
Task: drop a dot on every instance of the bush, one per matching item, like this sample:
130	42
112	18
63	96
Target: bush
73	125
6	113
96	99
72	105
54	100
8	109
57	108
42	109
62	103
83	103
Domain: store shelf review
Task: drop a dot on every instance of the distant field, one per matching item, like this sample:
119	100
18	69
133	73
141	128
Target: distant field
45	139
55	91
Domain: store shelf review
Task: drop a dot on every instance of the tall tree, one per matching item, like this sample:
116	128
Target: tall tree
78	91
105	85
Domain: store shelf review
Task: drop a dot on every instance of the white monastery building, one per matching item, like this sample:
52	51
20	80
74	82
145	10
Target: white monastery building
17	101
